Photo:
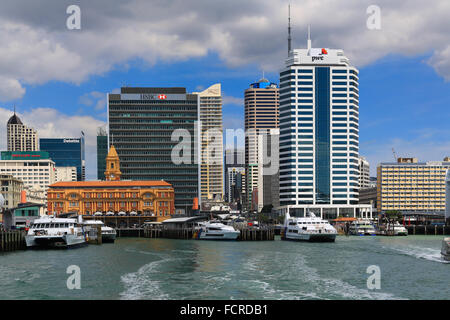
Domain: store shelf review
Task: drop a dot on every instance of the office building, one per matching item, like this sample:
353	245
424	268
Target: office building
65	174
319	134
261	115
211	168
410	186
34	168
102	151
268	169
149	127
66	152
19	136
364	173
234	159
11	189
235	184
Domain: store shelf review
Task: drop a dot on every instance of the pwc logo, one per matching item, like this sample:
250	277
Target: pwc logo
162	97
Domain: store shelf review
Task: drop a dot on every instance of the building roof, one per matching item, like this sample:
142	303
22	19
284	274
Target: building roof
110	184
14	119
112	152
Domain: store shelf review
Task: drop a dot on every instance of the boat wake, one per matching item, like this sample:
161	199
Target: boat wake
306	284
429	254
142	283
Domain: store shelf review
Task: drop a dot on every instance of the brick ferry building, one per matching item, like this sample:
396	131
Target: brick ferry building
148	198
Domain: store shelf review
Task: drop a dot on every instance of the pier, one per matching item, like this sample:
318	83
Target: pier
12	240
247	234
428	230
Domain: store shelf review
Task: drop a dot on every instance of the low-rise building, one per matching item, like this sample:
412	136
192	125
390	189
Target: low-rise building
65	174
412	186
150	198
11	189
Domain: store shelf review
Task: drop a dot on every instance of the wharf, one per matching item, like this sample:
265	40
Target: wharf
428	230
12	240
247	234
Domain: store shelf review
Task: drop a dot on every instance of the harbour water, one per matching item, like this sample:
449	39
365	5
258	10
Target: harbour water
139	268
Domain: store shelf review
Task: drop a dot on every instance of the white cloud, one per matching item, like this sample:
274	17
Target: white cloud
232	100
36	47
10	89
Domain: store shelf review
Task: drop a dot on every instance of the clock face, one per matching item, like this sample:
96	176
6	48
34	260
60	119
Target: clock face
112	176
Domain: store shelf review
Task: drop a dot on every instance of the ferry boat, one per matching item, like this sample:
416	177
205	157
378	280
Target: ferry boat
362	227
108	233
309	228
399	230
445	250
216	231
55	232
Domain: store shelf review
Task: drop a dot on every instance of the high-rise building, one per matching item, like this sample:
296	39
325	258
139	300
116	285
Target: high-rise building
20	137
235	184
65	174
234	160
261	114
149	127
102	151
269	169
211	168
319	134
411	186
364	173
66	152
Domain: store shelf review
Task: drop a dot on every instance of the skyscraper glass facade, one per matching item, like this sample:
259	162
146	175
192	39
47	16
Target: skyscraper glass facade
66	152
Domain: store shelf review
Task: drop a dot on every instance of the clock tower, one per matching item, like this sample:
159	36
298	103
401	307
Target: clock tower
112	172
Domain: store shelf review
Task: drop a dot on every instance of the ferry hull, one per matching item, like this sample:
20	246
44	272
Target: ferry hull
65	241
108	238
315	237
221	236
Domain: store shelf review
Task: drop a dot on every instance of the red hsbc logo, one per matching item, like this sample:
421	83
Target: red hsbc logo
162	97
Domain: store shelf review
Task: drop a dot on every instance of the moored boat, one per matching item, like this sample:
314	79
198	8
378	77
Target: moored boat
308	228
216	231
108	233
55	233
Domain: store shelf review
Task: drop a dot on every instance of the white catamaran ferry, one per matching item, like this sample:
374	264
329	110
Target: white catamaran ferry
108	233
55	232
362	227
309	228
216	231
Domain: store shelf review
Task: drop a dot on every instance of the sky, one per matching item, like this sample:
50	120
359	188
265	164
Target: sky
58	78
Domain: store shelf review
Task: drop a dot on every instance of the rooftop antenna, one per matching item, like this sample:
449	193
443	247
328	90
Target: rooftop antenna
309	36
289	30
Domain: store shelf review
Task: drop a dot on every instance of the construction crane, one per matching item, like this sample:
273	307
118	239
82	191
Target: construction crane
395	155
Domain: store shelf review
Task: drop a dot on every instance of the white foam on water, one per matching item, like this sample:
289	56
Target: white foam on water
430	254
142	285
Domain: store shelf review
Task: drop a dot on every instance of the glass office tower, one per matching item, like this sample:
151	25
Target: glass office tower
66	152
102	152
141	124
319	134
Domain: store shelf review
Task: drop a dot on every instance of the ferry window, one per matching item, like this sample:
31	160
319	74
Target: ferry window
66	225
46	225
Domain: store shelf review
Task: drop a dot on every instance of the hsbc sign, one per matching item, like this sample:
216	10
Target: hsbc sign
152	96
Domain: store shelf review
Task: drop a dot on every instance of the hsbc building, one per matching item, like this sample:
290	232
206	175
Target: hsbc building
141	121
